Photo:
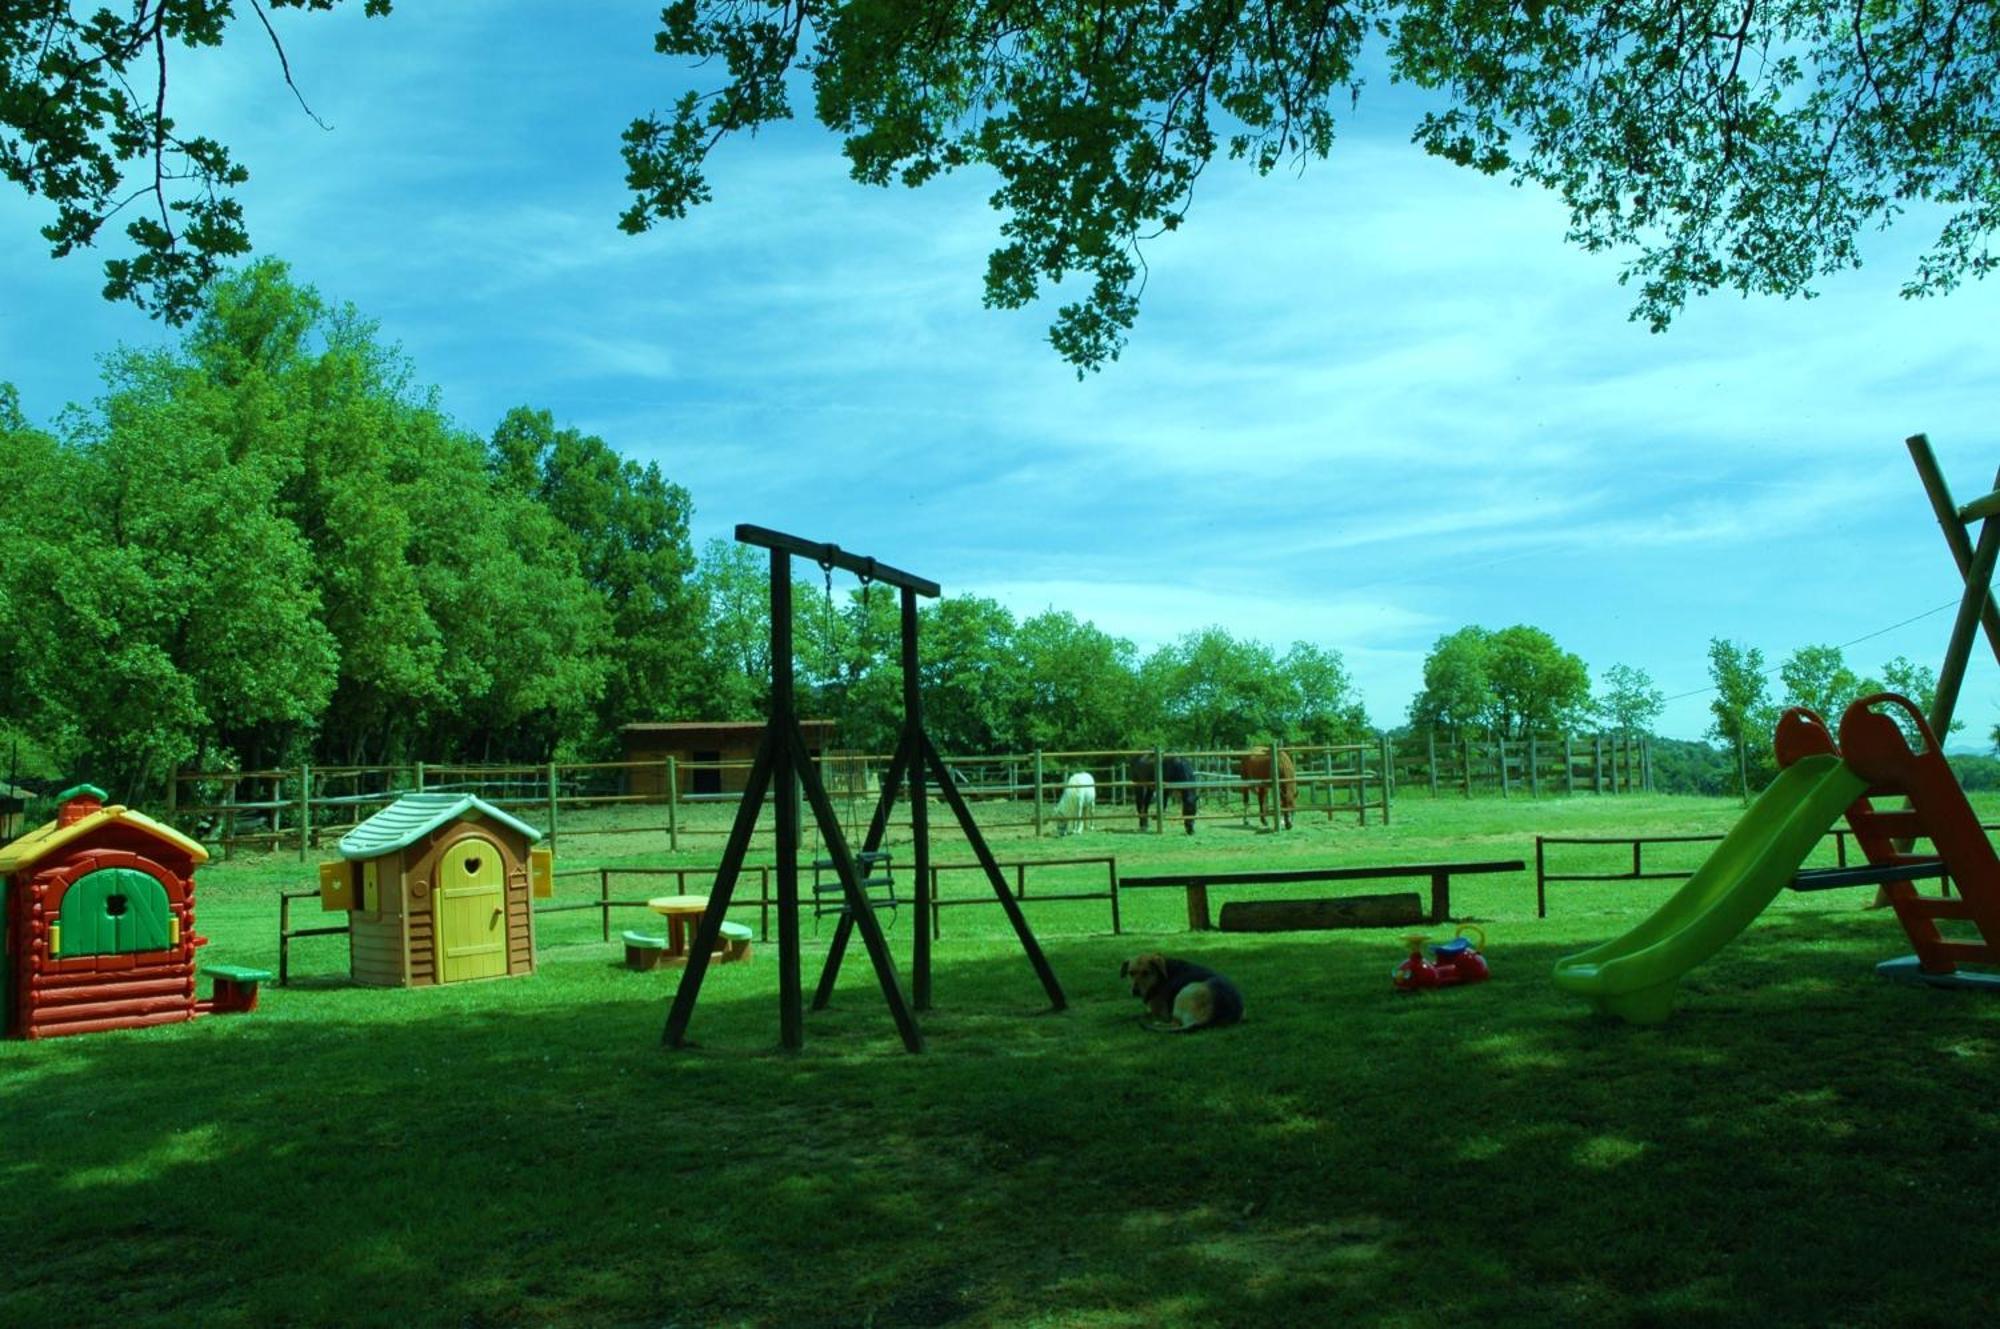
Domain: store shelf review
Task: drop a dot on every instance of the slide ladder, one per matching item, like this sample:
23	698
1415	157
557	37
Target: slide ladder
1875	747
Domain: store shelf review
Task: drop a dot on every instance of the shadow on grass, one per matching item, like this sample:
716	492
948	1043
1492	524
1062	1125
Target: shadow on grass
1799	1144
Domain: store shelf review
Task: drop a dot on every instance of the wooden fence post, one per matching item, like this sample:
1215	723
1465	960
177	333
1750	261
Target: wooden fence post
1569	764
1159	790
305	808
552	806
1431	736
1038	793
1534	768
1468	766
1503	765
1597	766
673	805
420	777
1388	775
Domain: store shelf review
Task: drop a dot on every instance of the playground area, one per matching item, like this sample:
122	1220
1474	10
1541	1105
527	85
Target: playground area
1767	1133
1802	1143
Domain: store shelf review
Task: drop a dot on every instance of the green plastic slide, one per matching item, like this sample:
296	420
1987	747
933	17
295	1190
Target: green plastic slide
1635	976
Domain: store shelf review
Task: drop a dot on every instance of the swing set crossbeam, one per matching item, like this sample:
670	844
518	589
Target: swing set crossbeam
831	556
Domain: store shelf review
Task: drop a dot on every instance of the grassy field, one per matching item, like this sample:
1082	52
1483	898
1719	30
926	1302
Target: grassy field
1800	1144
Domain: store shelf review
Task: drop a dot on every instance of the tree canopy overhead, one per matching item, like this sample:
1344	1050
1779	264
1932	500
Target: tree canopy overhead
1716	144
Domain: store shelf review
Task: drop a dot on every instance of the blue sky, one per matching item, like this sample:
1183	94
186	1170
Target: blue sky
1364	406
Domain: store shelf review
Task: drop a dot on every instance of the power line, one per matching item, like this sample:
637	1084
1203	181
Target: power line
1866	636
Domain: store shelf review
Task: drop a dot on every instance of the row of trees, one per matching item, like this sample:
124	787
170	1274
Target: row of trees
266	545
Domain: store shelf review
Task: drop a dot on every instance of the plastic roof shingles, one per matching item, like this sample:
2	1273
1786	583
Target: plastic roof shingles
413	816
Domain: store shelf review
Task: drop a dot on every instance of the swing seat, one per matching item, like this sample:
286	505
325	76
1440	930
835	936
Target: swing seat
878	884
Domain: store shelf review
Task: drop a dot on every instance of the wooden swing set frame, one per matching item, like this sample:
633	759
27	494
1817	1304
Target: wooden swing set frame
783	765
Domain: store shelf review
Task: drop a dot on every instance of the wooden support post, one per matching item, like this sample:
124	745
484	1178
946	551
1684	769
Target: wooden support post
1431	739
420	777
1503	765
552	804
1534	767
1038	793
1468	766
1978	593
1197	905
1541	879
1388	775
1569	764
1277	787
1159	790
1597	765
673	809
305	809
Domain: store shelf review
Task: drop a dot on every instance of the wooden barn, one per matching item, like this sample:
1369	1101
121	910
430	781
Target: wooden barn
99	920
438	888
701	750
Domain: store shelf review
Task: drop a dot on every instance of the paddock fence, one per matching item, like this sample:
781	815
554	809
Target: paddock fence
306	807
1597	847
1534	767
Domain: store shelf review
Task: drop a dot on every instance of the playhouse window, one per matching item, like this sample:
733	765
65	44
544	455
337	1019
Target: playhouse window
371	891
115	911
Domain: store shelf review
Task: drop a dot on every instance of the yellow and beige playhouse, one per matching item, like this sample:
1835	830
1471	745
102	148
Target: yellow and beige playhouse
438	889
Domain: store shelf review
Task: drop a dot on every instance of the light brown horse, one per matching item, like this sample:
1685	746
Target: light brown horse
1257	766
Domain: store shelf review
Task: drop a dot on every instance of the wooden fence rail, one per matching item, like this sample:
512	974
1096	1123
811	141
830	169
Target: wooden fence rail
1638	872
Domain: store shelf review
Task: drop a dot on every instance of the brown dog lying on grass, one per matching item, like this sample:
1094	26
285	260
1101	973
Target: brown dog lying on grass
1183	997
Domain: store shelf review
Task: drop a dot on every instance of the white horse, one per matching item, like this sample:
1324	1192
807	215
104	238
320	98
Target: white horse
1077	807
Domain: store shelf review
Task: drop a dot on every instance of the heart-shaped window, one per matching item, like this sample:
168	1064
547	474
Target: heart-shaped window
472	865
114	905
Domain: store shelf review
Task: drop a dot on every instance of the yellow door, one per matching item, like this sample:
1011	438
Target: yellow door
472	911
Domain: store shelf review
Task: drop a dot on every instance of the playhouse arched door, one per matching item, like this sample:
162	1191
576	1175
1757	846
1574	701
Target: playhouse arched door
115	911
472	910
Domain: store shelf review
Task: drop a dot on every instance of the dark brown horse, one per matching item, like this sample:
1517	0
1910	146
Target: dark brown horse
1176	771
1257	766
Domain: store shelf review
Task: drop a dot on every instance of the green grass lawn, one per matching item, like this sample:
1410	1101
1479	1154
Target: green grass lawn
1800	1144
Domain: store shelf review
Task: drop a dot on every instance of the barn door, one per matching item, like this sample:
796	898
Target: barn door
472	911
115	911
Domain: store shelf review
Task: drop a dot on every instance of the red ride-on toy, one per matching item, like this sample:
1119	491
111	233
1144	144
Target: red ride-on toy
1451	963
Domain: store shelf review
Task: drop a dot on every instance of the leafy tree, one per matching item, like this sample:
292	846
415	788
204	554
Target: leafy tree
526	637
1630	703
1214	691
1457	691
1537	686
1919	684
1744	716
308	388
734	585
1322	705
1817	678
1082	688
972	677
1718	145
629	528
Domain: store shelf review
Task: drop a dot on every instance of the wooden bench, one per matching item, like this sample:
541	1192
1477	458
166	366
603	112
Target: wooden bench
1349	911
644	950
235	990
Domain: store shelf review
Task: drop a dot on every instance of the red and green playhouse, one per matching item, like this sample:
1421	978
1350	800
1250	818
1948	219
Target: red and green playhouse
99	919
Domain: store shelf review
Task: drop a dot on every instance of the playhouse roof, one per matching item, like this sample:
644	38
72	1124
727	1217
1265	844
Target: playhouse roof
45	840
413	816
